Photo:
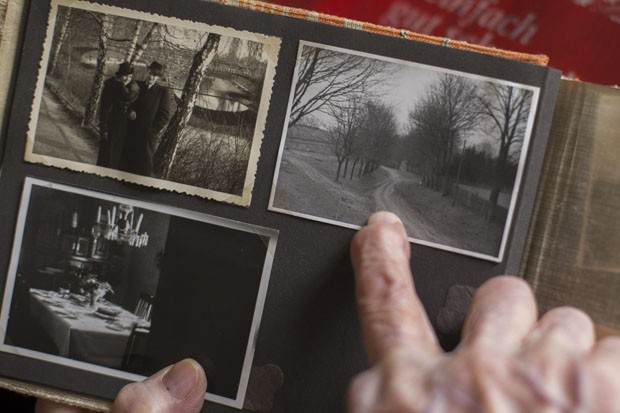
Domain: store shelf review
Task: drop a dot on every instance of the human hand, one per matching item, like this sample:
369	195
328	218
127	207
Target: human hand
508	360
178	388
132	115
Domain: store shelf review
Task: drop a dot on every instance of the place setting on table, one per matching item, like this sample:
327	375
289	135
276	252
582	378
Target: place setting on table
92	330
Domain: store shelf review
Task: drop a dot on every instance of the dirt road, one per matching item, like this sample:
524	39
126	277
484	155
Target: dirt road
430	216
388	197
306	185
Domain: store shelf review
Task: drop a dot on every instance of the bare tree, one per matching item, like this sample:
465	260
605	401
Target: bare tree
214	160
508	109
345	132
138	49
91	106
166	152
235	165
134	41
444	116
330	78
255	50
423	154
60	39
378	134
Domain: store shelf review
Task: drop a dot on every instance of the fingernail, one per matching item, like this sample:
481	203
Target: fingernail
383	217
181	379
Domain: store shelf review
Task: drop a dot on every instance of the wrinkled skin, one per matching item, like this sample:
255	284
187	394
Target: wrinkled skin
179	388
508	361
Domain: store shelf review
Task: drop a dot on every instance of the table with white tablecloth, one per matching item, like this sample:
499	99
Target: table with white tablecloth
81	332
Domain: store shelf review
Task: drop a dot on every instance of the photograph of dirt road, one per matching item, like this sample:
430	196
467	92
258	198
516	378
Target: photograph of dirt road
444	150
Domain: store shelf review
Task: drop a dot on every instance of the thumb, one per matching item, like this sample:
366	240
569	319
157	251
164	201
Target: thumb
178	388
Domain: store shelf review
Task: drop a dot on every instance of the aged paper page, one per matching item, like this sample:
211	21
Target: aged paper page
11	15
572	254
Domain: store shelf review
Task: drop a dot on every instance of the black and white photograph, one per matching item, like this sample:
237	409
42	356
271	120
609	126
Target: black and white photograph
444	150
152	100
125	288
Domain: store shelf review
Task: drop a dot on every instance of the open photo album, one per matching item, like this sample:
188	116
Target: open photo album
183	180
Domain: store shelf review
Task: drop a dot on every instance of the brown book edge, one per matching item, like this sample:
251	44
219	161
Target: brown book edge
55	395
538	59
567	163
604	331
16	6
11	12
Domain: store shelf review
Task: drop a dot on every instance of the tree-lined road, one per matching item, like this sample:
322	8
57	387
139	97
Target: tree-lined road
388	198
503	200
305	185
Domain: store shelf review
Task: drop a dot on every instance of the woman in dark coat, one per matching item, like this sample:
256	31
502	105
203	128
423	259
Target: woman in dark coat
117	94
150	113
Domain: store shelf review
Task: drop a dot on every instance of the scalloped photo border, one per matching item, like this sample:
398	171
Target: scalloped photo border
271	48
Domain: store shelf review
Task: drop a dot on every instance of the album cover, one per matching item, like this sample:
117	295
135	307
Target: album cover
184	179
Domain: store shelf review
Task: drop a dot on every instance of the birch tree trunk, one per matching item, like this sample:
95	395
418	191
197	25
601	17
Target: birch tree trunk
62	35
90	112
166	152
140	48
134	42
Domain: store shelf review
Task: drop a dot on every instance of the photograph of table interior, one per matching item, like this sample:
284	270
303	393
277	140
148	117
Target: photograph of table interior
81	331
117	286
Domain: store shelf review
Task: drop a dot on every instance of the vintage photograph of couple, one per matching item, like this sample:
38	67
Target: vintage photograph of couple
153	100
132	114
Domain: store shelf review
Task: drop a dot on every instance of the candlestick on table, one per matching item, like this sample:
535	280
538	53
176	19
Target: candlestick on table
139	223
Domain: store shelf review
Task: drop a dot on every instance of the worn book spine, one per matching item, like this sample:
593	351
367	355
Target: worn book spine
11	18
573	242
293	12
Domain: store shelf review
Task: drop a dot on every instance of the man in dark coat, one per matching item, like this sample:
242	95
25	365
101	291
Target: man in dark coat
117	94
149	114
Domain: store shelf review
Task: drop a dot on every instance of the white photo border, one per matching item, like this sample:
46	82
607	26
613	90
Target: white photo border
272	234
271	46
520	170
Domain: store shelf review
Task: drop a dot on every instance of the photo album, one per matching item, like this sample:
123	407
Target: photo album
183	179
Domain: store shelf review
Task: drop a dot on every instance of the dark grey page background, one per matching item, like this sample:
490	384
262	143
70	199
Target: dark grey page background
309	326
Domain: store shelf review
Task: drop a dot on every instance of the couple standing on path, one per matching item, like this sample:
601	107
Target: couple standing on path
131	115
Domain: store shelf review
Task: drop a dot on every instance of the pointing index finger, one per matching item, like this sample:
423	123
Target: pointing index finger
391	313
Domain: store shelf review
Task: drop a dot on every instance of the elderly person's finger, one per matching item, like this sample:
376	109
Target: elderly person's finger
179	388
603	387
501	314
550	358
609	346
562	328
391	314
